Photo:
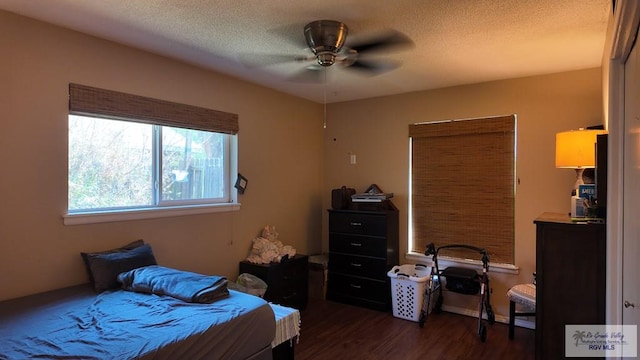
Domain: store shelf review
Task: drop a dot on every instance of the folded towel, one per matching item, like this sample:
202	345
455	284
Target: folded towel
183	285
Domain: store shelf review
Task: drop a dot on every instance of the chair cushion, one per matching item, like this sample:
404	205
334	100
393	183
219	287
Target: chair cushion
523	294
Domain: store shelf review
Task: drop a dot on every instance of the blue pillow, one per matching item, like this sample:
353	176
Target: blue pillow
105	267
129	246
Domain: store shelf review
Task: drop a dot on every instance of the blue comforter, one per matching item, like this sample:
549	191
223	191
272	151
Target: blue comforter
184	285
75	323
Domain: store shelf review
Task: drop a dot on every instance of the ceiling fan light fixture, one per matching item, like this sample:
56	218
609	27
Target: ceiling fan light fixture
325	38
326	58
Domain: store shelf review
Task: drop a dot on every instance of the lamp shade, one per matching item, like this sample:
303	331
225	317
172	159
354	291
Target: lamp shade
576	149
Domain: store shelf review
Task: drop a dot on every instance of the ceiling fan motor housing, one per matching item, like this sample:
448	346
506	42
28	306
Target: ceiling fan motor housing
325	38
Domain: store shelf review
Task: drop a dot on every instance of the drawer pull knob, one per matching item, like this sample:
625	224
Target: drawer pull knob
355	223
355	244
356	265
356	286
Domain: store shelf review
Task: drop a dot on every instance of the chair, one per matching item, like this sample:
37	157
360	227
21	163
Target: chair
524	295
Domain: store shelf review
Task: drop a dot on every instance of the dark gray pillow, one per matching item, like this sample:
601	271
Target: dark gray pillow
106	267
129	246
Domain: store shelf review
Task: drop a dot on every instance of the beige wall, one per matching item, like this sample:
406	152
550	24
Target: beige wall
290	169
376	130
280	152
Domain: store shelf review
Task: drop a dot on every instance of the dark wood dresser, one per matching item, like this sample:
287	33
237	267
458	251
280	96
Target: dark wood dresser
363	246
287	281
571	283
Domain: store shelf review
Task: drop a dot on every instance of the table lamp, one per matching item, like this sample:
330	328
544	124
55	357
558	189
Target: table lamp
575	149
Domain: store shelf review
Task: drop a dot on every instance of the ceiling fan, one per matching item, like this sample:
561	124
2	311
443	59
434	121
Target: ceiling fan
327	40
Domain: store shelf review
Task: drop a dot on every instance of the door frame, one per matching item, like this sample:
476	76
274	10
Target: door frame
620	41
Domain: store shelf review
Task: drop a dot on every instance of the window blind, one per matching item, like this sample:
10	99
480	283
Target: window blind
88	101
462	186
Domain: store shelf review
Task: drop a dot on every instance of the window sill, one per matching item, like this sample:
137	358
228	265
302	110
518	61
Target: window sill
141	214
444	261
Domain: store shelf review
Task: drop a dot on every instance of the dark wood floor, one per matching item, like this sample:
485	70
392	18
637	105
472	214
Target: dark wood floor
331	330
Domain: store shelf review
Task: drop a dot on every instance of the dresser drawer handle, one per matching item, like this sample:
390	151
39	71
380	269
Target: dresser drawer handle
356	286
355	223
356	265
355	244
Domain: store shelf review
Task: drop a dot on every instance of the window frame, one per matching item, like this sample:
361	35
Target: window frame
158	185
107	104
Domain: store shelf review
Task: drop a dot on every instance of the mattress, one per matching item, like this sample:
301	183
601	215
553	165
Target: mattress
75	323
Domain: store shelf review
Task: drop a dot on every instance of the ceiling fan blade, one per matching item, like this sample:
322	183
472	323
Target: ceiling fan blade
254	60
389	39
373	67
310	74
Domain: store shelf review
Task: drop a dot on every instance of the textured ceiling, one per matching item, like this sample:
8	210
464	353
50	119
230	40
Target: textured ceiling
456	41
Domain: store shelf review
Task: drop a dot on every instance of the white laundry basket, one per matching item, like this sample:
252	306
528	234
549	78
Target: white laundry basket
408	283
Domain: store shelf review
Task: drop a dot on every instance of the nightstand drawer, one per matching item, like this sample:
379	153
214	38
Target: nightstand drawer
285	284
358	245
358	266
353	286
358	223
288	273
292	297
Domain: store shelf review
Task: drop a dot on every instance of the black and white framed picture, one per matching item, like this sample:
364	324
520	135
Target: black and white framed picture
241	183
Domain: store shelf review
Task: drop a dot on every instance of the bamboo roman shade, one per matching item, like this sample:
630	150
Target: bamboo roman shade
462	184
90	101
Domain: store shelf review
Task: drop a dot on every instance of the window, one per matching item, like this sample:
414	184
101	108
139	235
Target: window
121	164
463	186
129	152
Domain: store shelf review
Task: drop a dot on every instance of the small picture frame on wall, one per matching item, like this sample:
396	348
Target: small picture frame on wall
241	183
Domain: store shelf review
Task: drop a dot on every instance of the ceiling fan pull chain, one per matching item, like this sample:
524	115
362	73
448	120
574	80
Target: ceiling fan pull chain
324	102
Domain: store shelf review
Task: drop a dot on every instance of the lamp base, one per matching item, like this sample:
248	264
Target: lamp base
579	181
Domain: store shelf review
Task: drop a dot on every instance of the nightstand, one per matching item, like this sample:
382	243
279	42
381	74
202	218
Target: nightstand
287	281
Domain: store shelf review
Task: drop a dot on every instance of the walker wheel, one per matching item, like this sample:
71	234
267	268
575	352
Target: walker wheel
438	307
483	333
491	316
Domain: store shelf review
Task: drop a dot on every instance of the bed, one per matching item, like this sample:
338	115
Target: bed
77	323
133	308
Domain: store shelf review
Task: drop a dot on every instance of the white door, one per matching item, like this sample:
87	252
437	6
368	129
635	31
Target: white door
631	212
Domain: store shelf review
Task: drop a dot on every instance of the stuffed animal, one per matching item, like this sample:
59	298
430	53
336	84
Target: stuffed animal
267	248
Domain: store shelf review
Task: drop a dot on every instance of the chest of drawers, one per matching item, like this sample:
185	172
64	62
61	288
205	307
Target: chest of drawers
570	278
363	246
